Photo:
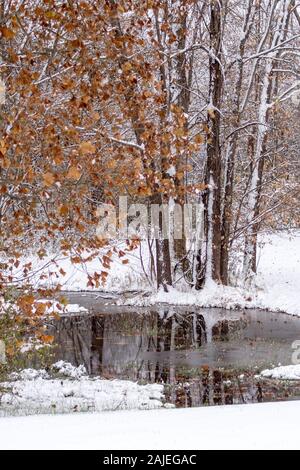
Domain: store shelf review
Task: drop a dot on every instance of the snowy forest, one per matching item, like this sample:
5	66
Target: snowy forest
112	112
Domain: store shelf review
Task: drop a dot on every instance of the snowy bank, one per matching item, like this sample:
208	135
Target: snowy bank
278	280
265	426
44	308
283	373
34	392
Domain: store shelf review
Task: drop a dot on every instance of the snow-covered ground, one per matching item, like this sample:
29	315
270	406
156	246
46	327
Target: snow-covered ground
283	373
266	426
33	391
279	273
277	284
124	274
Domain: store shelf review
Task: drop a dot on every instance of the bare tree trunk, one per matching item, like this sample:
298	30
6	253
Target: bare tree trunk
183	84
212	201
162	248
232	150
254	199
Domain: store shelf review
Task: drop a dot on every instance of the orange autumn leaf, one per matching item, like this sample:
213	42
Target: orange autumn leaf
96	116
50	15
26	300
64	210
9	351
7	33
47	339
87	148
3	148
49	179
199	139
40	308
126	67
73	173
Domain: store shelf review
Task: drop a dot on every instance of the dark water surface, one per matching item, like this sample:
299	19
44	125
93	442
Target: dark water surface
203	356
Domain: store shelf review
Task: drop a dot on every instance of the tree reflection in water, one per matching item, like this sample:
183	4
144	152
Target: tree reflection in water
155	347
114	345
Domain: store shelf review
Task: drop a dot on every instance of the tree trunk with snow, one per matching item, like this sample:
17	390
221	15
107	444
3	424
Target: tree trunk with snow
184	69
254	197
212	200
232	147
162	248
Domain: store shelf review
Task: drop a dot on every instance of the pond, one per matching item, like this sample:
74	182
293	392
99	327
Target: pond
203	356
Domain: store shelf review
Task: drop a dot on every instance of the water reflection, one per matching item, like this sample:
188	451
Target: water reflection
204	358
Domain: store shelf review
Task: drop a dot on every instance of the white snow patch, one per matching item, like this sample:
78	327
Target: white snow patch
213	295
29	374
171	171
283	373
54	307
34	392
68	370
33	344
272	426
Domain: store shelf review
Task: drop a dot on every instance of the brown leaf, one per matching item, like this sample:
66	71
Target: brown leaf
64	210
7	33
49	179
87	148
47	339
73	173
199	139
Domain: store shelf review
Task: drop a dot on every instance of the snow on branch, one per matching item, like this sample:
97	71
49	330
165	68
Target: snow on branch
128	144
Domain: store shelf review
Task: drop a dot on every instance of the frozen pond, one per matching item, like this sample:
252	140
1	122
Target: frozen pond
203	356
